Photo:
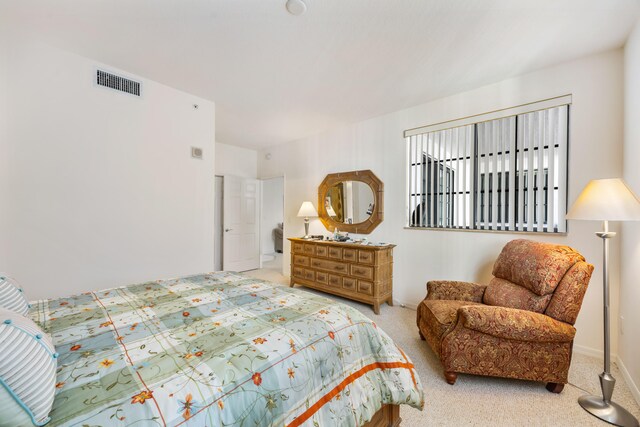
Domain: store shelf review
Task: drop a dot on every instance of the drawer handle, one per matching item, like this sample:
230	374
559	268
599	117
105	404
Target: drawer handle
361	272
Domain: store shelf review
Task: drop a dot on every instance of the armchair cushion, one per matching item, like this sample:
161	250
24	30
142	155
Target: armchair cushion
537	266
514	324
503	293
441	313
454	290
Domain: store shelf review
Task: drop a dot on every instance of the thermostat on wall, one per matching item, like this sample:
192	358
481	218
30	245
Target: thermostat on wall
196	152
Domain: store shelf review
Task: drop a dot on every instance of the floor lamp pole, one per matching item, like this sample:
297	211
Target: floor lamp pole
603	407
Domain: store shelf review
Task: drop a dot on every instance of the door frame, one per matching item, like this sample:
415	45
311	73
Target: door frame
285	242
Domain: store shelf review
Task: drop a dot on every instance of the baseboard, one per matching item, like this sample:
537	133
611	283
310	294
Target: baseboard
593	352
635	392
410	305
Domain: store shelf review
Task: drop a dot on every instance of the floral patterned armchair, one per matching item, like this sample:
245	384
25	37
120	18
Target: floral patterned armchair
520	325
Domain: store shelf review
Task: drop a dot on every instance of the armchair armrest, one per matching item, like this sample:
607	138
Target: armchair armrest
515	324
453	290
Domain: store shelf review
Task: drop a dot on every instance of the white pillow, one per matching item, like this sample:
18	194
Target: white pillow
11	296
28	362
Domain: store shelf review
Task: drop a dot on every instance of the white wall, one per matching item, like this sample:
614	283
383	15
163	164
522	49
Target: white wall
377	144
238	161
630	283
99	187
272	211
4	178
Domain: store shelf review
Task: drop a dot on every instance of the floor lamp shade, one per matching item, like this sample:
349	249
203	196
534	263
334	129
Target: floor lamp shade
606	200
307	210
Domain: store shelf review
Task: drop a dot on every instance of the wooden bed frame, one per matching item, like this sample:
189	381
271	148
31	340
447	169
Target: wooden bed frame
387	416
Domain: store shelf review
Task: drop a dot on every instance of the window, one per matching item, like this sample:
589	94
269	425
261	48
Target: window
504	171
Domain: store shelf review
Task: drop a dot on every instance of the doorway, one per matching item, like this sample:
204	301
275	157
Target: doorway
272	224
217	224
236	223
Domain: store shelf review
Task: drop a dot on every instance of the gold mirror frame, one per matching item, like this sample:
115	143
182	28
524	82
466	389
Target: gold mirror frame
377	187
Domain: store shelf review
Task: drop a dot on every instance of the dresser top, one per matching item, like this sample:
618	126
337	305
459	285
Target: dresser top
341	244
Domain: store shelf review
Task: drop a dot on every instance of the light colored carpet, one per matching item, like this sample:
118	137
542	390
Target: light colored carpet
482	401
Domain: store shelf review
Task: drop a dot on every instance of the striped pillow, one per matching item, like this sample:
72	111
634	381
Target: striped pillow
27	371
11	296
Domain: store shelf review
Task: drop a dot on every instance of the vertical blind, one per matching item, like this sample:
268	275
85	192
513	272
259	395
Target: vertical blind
507	173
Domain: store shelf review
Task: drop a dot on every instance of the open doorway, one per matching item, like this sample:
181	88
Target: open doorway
272	223
217	236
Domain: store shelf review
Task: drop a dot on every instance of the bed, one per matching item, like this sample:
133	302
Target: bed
221	349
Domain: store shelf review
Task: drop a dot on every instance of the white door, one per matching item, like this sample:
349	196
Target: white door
241	218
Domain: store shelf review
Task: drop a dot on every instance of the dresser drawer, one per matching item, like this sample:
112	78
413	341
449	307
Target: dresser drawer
349	254
366	257
322	277
309	274
301	260
349	283
335	281
298	272
363	271
365	287
321	251
298	247
335	253
324	264
309	249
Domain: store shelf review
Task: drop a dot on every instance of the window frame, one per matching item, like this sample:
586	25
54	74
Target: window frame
560	226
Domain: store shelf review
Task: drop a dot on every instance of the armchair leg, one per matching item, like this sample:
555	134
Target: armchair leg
421	336
555	387
450	377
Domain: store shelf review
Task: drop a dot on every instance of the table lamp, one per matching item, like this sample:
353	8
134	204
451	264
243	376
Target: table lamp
307	210
606	200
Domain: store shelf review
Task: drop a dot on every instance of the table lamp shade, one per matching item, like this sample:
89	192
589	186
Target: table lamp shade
307	209
606	200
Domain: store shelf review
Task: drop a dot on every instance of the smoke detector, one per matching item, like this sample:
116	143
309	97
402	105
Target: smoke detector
296	7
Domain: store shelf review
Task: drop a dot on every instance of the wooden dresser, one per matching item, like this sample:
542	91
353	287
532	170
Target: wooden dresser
357	272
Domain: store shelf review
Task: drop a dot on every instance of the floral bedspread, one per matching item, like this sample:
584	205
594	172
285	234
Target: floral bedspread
220	349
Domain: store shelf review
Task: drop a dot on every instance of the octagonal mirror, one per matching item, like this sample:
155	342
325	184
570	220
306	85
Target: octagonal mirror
351	201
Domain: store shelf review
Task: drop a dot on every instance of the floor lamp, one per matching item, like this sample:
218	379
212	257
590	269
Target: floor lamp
606	200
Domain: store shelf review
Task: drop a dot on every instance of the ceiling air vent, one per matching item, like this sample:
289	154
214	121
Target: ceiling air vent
117	82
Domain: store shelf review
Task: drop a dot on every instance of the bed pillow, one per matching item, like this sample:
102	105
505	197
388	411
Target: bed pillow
11	296
27	371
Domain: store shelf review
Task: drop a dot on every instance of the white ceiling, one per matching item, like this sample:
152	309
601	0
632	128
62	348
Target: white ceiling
275	77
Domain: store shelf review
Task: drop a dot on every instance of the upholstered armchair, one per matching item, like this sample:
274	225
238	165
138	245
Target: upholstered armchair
520	325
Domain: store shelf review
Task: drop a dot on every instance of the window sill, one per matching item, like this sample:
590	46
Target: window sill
469	230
